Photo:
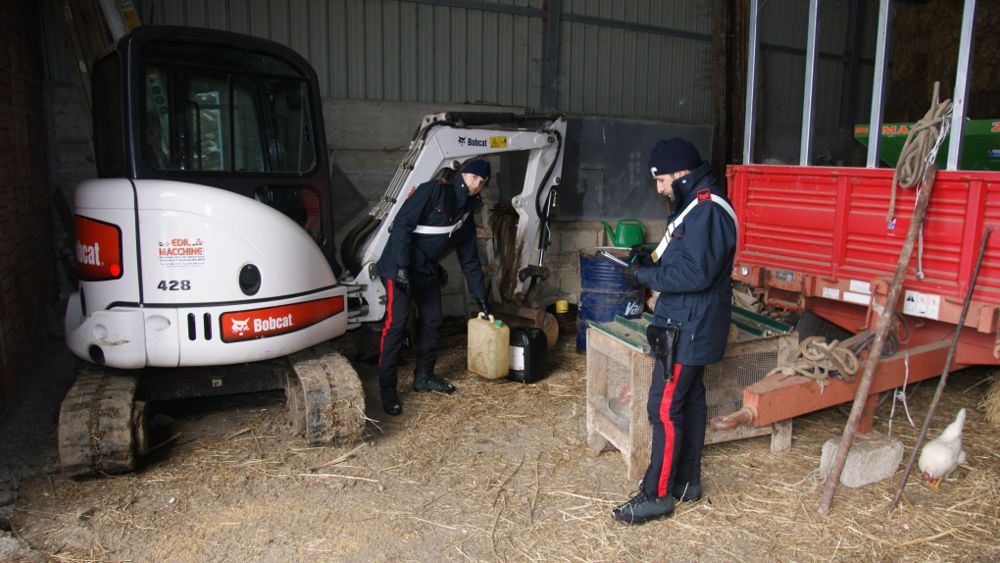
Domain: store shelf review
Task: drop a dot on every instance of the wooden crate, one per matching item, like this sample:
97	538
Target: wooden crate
619	369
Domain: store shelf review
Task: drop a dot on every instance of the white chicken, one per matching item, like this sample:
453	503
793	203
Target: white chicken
943	454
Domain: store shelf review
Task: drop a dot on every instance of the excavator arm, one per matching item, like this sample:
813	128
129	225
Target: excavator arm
446	140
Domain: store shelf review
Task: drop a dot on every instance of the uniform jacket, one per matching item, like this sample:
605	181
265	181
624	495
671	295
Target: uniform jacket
693	275
435	203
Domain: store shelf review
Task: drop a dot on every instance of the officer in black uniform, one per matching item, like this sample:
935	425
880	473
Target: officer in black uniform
690	325
436	217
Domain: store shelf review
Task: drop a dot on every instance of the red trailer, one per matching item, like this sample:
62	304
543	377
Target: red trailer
816	239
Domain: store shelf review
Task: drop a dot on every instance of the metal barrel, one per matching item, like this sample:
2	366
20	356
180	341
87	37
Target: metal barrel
604	291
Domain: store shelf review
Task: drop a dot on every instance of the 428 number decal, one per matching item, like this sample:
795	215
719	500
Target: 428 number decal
174	285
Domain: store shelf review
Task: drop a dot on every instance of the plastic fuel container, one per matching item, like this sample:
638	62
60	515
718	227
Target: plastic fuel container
527	354
489	340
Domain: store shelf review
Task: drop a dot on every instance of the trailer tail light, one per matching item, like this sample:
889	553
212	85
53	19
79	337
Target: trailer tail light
98	249
236	326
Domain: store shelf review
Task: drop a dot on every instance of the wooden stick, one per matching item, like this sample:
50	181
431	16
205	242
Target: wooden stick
944	373
237	433
445	526
928	538
338	476
881	332
601	500
336	461
163	443
260	448
503	483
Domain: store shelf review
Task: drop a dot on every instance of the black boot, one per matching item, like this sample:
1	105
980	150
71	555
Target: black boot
685	492
643	507
427	381
390	401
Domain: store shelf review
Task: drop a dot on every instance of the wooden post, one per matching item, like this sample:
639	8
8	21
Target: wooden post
868	414
885	322
944	373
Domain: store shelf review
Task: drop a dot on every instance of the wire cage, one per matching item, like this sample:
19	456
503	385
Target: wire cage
619	368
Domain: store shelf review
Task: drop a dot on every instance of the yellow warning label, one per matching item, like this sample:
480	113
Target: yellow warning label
498	142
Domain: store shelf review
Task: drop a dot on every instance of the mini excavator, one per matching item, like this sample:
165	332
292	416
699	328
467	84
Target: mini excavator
205	249
439	147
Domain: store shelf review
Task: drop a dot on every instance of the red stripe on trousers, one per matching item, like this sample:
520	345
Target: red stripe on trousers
668	433
388	319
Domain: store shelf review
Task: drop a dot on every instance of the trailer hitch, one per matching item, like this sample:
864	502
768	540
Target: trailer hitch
744	416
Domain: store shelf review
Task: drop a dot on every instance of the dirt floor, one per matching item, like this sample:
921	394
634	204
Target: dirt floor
497	471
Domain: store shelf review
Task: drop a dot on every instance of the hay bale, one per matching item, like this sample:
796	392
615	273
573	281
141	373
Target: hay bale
991	403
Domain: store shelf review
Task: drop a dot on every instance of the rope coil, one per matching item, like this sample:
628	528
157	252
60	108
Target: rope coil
918	154
819	360
921	147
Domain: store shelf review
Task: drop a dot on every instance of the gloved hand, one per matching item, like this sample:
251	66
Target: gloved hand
641	255
484	306
403	279
629	275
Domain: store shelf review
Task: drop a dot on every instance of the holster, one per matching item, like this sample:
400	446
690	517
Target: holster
663	341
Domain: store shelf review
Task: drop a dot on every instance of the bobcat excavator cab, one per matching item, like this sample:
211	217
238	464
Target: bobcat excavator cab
439	147
206	240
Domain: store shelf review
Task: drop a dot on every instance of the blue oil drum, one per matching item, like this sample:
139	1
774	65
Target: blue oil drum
604	291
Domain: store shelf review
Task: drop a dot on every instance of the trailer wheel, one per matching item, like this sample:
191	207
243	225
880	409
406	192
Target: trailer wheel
325	398
810	324
101	428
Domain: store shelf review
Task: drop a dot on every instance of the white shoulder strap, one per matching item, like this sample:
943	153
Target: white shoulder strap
662	247
442	230
727	208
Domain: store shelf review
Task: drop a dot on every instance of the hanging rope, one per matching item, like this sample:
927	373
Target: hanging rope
819	360
920	148
919	152
900	394
504	224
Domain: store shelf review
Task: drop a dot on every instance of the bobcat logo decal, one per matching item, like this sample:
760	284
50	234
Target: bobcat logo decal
241	327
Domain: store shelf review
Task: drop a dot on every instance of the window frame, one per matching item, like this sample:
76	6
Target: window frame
254	84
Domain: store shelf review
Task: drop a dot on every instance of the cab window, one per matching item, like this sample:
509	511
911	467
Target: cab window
198	118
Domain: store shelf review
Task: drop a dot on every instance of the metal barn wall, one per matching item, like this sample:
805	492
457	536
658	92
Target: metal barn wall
632	58
866	43
646	59
393	50
783	33
636	58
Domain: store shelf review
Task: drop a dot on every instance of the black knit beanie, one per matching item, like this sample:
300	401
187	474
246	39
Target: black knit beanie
671	155
478	167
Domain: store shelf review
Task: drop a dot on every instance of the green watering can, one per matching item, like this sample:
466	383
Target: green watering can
628	232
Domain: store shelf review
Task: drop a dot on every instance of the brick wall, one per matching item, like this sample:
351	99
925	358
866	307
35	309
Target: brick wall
26	256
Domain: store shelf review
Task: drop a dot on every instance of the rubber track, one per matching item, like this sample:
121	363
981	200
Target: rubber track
95	424
325	397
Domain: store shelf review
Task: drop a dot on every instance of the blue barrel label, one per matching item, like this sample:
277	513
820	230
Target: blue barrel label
633	308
